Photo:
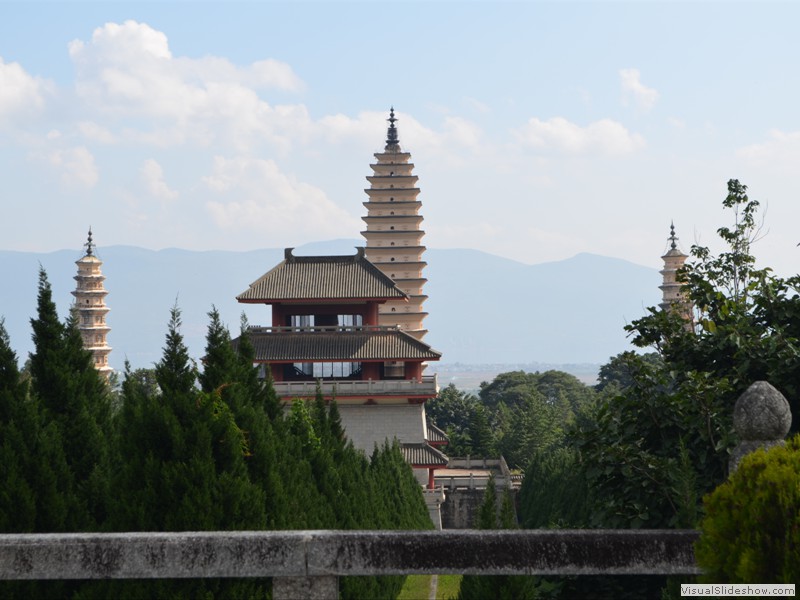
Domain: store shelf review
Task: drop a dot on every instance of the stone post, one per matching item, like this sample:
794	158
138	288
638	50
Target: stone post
761	419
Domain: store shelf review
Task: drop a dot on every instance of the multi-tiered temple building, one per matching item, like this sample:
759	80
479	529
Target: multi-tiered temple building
91	309
353	324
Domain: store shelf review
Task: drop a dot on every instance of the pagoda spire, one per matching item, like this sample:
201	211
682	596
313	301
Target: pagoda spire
89	245
392	141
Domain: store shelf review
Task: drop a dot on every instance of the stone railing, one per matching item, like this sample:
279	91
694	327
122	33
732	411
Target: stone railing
307	564
427	386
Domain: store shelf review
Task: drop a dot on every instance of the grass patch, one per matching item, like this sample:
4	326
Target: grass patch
417	587
448	587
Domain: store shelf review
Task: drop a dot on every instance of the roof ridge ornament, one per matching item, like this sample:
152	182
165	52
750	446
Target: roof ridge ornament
392	140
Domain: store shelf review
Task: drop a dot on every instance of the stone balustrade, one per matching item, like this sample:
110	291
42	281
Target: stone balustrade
307	564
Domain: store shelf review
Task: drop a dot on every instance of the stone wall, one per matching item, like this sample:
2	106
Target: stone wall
460	507
369	424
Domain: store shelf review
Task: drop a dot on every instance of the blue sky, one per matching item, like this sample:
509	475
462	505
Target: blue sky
539	129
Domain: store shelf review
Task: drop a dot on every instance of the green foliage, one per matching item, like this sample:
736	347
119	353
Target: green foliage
660	438
616	375
747	319
558	389
37	490
555	492
221	455
646	449
530	411
452	410
75	400
751	531
510	587
516	415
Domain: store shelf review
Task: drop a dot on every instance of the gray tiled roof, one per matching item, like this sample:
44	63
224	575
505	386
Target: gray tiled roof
423	455
321	278
347	344
436	435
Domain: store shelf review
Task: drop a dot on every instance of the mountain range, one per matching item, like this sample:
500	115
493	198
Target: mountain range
483	309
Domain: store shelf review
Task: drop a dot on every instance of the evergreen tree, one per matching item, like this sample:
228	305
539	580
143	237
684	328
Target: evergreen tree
182	468
18	428
502	587
36	494
75	400
230	373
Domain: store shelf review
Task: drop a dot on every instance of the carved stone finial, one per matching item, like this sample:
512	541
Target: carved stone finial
761	419
672	237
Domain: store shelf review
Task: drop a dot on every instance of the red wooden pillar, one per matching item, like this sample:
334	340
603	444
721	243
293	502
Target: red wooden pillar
371	314
413	370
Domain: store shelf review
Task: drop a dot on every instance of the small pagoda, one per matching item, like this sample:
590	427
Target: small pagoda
90	306
326	331
672	298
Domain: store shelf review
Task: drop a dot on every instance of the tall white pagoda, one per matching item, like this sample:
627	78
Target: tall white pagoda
91	309
393	234
672	298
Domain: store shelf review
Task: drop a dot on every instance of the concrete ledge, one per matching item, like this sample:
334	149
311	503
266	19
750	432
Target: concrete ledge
341	553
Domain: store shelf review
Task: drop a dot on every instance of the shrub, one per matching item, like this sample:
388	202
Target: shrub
751	531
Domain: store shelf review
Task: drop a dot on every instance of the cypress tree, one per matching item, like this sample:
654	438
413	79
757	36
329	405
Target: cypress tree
75	399
183	465
36	494
502	587
260	390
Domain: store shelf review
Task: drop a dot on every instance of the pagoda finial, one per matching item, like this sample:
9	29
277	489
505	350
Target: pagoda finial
89	244
391	135
672	237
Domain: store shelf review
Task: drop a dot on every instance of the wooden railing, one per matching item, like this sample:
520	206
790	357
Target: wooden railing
307	564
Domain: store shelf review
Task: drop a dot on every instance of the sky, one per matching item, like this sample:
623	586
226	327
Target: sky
539	130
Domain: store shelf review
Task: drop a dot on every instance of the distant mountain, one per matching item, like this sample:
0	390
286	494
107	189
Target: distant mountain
482	308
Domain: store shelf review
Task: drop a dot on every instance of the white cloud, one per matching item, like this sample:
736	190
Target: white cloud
463	133
19	91
127	70
153	177
95	132
558	135
676	123
633	89
446	144
477	105
256	197
76	166
781	149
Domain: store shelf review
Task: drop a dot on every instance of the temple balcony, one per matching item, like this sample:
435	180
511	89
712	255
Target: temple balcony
257	329
428	386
